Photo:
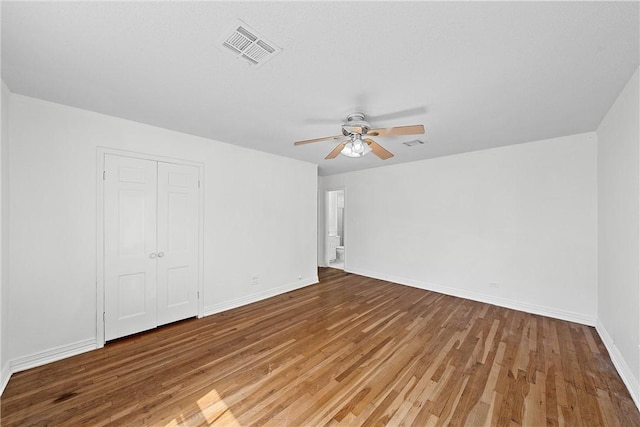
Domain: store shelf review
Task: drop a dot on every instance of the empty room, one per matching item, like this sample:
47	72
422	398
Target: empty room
313	213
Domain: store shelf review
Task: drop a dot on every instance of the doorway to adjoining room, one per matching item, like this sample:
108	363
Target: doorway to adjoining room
334	243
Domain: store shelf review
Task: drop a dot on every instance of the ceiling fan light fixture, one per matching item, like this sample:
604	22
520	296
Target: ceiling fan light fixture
356	147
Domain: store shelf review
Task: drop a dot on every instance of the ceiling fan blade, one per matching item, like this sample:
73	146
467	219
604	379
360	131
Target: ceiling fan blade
397	114
334	153
309	141
378	149
353	129
397	131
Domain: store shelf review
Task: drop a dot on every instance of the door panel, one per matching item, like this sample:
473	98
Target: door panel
131	295
130	191
179	221
177	286
178	206
131	221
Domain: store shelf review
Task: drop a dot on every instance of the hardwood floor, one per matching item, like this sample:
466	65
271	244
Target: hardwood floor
349	351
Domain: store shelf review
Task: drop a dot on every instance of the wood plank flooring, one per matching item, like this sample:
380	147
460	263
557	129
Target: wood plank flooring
349	351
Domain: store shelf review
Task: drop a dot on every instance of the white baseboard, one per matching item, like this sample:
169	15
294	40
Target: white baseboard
62	352
5	375
42	358
616	357
620	364
258	296
52	355
476	296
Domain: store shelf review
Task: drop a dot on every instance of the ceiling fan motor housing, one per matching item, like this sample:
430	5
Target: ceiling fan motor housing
355	124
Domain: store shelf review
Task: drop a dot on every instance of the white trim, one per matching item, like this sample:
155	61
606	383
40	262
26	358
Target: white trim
476	296
201	189
100	155
52	355
620	364
259	296
325	203
42	358
345	240
100	247
5	376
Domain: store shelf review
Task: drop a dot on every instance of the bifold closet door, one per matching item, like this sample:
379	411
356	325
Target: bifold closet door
130	219
177	242
151	213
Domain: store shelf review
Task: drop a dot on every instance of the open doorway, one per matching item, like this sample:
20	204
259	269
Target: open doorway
335	250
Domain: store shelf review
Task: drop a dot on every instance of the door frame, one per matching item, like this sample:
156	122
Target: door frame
101	152
326	224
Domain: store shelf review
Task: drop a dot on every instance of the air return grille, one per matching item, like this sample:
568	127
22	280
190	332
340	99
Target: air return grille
248	45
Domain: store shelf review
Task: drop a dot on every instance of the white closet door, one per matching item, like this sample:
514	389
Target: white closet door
130	266
177	242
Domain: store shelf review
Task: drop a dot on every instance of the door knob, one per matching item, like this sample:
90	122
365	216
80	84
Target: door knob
152	255
160	254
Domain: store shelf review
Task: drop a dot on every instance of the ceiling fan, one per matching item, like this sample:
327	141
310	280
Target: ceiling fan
355	141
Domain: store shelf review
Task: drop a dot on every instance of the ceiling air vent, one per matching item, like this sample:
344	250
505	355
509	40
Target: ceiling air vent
413	143
248	45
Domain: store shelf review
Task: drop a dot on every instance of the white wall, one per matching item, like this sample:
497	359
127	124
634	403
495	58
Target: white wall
260	218
618	234
4	236
522	216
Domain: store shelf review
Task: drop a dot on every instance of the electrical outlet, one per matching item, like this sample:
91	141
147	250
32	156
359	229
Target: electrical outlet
255	280
494	285
299	277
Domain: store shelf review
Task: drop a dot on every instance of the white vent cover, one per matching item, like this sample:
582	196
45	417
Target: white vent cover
248	45
413	143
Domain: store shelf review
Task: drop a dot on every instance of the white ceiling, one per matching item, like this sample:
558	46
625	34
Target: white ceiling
476	74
